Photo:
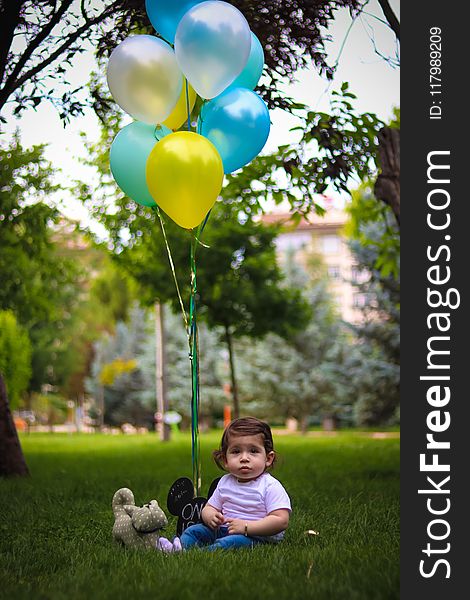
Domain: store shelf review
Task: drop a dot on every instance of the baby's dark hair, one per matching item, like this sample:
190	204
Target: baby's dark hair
244	426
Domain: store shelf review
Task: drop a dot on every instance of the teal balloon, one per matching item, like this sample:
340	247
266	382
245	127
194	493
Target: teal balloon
251	74
237	123
128	158
165	15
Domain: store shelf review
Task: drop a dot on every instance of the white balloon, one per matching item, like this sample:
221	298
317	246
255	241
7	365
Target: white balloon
212	46
144	78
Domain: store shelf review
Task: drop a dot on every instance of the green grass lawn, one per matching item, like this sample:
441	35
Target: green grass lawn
55	527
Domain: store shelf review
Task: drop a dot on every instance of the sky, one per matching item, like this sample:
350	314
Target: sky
372	79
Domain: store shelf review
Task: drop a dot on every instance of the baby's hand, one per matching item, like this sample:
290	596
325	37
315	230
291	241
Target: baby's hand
236	526
216	520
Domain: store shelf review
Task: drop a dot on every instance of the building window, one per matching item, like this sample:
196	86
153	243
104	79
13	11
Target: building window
334	272
358	275
330	244
361	299
292	241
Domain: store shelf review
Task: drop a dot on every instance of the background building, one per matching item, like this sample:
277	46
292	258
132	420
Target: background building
324	236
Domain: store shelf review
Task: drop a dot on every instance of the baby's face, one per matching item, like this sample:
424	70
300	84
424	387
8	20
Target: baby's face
246	457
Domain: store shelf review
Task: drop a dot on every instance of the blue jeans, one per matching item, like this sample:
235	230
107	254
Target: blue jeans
214	539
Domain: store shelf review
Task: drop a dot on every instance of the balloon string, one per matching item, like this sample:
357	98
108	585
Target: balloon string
194	359
200	120
191	330
187	105
199	232
172	266
193	339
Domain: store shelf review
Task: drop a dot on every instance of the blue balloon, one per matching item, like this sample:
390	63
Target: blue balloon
251	74
128	158
165	15
237	123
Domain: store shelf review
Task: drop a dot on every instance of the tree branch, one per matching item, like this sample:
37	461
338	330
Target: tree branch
10	16
37	41
390	16
12	85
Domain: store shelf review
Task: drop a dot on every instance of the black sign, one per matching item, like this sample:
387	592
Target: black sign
182	503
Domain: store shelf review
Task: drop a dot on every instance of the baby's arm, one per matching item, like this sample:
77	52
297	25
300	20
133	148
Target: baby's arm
212	517
275	522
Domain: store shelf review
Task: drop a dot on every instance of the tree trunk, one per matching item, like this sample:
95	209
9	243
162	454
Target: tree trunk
236	405
11	456
387	186
160	360
101	407
330	423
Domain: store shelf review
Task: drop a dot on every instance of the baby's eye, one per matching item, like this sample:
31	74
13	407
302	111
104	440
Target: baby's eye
234	451
254	450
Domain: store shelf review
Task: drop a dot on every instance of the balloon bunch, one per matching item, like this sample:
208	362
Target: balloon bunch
209	52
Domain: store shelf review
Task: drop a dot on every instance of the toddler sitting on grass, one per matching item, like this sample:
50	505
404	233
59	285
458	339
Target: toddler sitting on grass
249	506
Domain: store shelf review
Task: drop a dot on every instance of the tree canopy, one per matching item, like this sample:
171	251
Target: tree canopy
27	263
41	282
15	356
40	37
374	366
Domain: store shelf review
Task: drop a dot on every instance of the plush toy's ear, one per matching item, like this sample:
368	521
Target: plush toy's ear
130	509
123	496
181	492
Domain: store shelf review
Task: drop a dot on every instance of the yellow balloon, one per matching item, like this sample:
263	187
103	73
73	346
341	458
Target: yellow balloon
180	113
184	176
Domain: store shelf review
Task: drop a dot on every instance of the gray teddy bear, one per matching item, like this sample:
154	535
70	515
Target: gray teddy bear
136	526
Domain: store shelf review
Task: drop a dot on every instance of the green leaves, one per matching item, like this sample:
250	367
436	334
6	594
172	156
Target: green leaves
366	211
39	281
336	150
346	144
15	356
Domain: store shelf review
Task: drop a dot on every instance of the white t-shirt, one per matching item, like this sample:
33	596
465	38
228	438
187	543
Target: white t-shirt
250	500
